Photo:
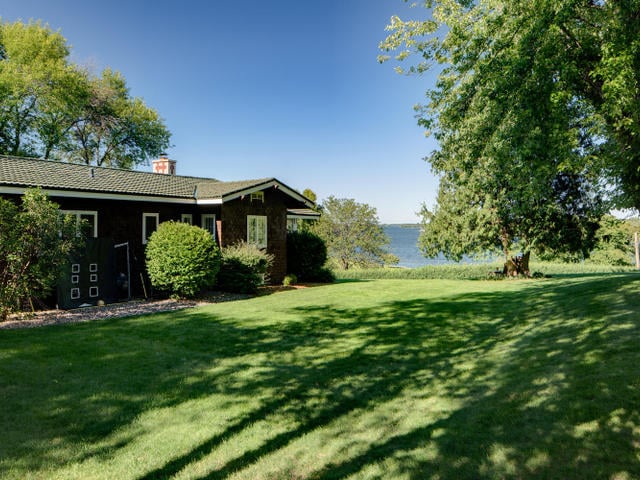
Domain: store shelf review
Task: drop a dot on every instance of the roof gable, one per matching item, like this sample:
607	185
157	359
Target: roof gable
226	191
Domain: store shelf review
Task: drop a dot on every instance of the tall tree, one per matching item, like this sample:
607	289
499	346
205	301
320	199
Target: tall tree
559	219
529	101
115	129
34	74
310	194
52	108
614	242
352	233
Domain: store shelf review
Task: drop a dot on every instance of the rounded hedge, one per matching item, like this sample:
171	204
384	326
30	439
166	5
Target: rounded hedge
306	257
182	259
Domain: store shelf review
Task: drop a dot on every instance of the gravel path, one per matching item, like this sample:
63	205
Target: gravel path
115	310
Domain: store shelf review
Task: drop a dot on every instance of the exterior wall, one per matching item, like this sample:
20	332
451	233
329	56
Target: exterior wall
234	226
122	222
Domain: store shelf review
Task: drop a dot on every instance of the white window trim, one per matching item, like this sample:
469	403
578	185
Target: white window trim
257	196
249	240
78	214
203	223
186	218
293	225
144	224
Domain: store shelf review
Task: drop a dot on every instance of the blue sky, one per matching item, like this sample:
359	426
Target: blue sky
254	88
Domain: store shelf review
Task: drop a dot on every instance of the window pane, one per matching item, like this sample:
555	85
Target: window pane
257	230
262	231
86	221
150	225
251	236
90	221
209	223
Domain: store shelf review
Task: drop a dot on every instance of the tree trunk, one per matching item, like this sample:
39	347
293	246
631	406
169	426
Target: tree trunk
519	265
525	263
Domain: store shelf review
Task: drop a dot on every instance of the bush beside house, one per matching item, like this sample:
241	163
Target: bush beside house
307	256
35	241
182	259
244	268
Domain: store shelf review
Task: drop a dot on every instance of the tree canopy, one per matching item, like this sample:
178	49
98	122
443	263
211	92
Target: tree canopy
310	194
52	108
352	233
535	111
614	242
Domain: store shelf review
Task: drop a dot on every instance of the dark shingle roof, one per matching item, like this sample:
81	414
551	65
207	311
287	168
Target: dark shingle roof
30	172
221	189
71	176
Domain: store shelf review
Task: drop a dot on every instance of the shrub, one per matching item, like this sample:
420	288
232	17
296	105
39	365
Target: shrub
244	268
324	275
35	241
182	259
306	257
290	279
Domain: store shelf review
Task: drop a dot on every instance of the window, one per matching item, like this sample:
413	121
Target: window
85	219
292	224
257	196
209	223
257	230
187	218
150	223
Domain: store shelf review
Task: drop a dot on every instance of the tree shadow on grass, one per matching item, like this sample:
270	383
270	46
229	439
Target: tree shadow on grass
521	418
546	390
574	416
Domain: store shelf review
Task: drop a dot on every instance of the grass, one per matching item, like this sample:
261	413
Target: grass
362	379
473	271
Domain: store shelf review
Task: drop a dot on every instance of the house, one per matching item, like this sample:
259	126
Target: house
124	207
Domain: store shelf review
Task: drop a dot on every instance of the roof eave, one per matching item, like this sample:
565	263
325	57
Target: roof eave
97	195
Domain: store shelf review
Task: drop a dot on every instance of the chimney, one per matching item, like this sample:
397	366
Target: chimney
164	165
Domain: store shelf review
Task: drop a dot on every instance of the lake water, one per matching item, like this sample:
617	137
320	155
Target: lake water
404	245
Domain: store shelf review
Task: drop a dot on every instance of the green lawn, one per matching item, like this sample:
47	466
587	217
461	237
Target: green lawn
413	379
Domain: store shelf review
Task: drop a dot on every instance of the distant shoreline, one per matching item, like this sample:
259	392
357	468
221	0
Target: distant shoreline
401	225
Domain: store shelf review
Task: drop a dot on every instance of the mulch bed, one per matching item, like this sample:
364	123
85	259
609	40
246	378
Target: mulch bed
126	309
114	310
